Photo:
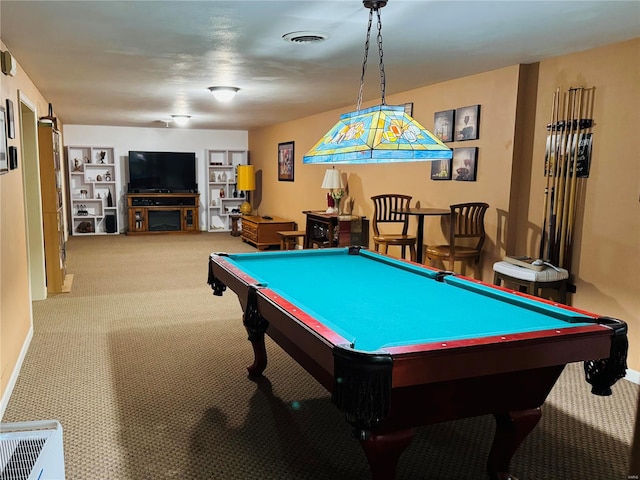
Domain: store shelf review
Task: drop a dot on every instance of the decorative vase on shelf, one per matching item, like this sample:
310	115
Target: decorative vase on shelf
109	199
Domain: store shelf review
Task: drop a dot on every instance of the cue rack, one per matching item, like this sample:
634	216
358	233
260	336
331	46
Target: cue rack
567	159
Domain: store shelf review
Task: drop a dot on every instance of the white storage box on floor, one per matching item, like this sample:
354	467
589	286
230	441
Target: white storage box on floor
31	450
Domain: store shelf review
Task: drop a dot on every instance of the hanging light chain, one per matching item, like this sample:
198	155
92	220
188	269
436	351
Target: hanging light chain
364	62
382	74
373	6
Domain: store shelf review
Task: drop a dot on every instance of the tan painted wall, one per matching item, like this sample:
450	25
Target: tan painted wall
606	260
495	91
15	310
509	178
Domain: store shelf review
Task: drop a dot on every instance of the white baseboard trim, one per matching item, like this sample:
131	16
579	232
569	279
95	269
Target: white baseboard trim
16	371
633	376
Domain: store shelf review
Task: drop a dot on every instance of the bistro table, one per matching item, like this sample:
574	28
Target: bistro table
421	213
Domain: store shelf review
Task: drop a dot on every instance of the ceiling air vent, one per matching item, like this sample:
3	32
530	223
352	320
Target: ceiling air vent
305	37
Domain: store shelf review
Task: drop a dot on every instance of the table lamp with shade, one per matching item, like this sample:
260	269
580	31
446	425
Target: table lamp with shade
332	181
247	183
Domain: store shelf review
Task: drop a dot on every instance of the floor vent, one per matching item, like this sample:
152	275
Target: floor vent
31	450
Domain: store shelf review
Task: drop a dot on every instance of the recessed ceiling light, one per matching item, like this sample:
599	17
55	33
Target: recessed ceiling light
305	37
181	119
224	94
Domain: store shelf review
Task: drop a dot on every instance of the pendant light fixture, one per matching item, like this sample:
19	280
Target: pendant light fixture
380	134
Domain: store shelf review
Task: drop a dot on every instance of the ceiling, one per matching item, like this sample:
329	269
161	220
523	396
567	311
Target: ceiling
136	63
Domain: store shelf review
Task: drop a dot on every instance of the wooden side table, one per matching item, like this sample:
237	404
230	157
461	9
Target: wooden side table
333	230
235	231
262	232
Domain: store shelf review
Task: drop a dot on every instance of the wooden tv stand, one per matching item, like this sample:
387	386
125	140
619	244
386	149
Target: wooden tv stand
151	213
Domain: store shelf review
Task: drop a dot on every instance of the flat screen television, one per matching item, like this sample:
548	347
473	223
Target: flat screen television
162	172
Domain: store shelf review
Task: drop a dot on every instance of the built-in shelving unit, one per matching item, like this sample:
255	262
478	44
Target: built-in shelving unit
93	190
223	198
51	177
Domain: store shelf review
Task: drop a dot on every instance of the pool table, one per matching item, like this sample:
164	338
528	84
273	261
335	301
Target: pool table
399	345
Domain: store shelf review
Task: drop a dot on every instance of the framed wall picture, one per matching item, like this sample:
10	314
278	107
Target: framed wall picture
441	169
4	157
467	123
11	124
443	123
465	161
286	161
13	158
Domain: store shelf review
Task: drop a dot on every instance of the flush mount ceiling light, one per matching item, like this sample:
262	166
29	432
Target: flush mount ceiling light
181	119
377	134
224	94
305	37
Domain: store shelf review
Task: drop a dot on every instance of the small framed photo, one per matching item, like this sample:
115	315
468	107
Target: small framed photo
286	161
13	158
467	123
443	125
11	124
441	169
4	157
465	161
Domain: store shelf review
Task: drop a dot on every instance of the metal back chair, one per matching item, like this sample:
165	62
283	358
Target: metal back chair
466	235
387	212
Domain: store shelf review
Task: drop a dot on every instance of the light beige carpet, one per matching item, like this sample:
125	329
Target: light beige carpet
145	369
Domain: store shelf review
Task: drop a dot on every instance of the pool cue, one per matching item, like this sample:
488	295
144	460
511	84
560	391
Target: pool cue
566	171
563	177
557	172
549	160
588	110
557	139
574	134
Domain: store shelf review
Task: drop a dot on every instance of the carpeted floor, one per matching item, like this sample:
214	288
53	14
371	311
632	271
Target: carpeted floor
145	370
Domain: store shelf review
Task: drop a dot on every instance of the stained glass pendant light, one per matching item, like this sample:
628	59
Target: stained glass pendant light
380	134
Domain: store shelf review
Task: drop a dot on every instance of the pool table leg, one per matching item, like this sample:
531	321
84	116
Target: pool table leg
511	429
256	326
383	452
259	357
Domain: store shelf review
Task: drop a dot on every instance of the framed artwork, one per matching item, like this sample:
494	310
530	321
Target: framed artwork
4	158
443	125
408	109
465	161
441	169
13	158
467	123
11	125
286	161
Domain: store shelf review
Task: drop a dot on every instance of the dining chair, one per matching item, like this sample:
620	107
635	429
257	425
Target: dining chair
387	216
466	235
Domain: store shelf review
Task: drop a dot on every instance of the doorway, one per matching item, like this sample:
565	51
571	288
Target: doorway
28	124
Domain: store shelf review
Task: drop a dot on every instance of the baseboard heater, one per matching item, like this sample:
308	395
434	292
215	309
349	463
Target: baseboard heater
31	451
